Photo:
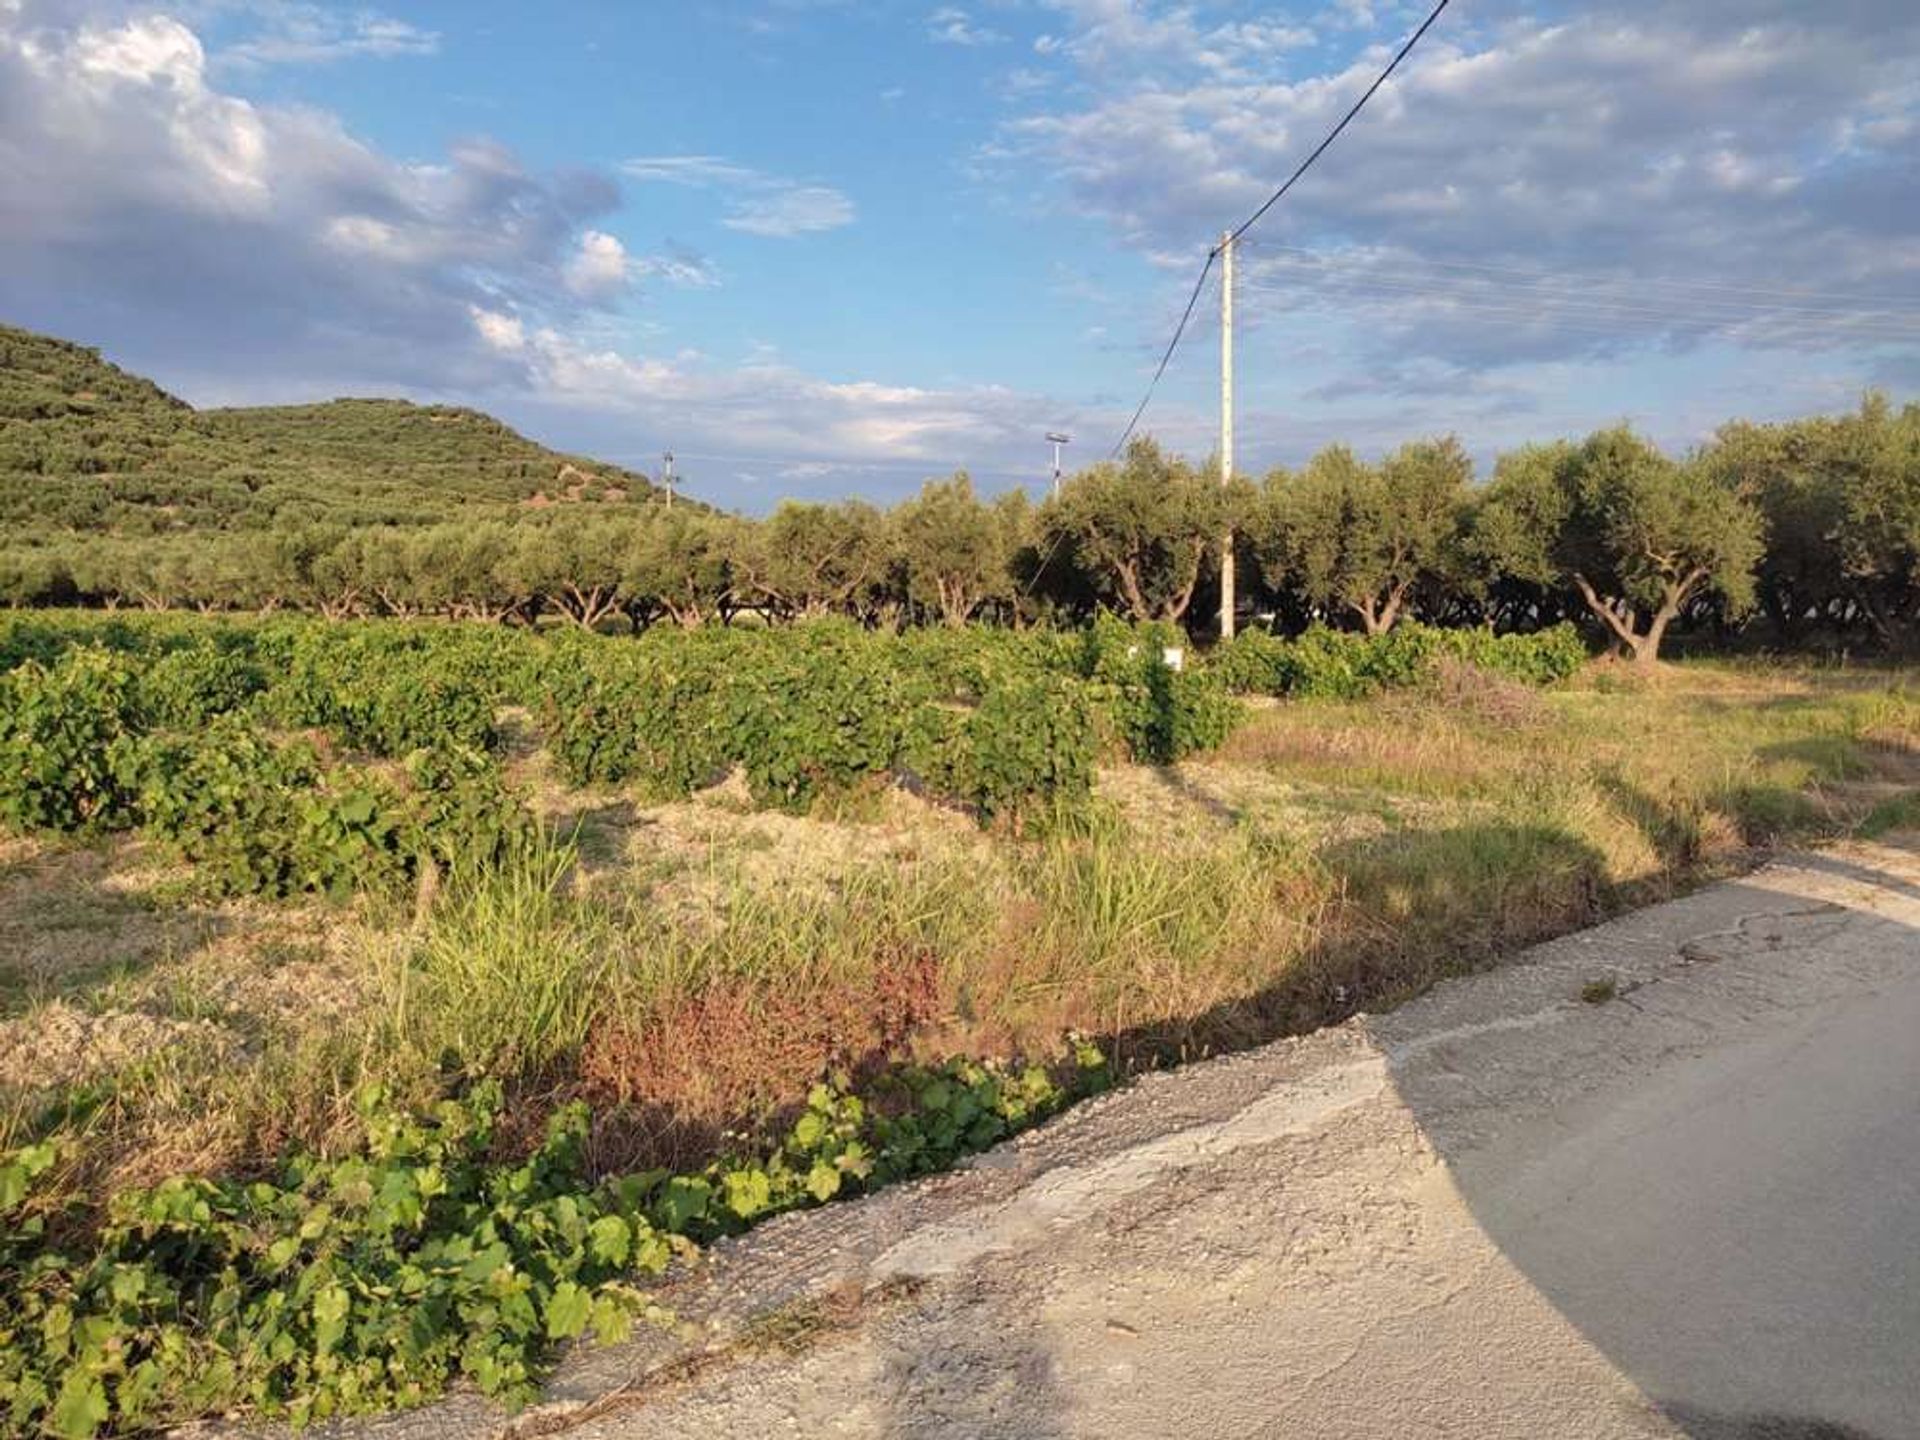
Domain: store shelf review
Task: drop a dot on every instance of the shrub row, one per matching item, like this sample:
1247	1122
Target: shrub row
370	1282
1332	664
386	688
1009	724
820	710
78	752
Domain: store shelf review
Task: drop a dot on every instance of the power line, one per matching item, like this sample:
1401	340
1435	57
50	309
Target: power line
1585	290
1266	205
1166	355
1791	293
1345	120
1548	305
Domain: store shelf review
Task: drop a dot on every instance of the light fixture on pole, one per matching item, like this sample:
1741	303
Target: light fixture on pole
1057	439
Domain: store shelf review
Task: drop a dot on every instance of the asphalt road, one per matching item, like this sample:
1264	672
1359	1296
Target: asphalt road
1499	1211
1739	1231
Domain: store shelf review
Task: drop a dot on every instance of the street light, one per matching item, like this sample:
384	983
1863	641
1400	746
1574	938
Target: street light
1057	439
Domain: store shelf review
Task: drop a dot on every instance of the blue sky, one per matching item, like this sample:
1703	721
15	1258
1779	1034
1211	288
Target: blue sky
820	247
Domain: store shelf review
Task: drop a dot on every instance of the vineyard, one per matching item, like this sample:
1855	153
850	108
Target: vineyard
415	990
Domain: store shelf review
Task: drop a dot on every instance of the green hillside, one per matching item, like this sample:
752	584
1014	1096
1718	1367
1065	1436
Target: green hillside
86	447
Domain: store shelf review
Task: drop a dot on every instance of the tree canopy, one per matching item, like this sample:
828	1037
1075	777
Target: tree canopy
113	493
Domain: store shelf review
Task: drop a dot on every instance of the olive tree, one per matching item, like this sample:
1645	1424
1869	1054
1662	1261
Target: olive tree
808	559
1637	535
575	559
1140	530
955	549
680	564
1357	537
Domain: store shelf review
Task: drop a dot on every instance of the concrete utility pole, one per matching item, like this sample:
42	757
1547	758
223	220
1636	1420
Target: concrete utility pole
1226	427
666	477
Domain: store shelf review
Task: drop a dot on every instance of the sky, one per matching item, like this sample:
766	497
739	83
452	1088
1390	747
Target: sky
830	247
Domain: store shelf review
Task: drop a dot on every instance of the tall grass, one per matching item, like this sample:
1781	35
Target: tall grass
510	972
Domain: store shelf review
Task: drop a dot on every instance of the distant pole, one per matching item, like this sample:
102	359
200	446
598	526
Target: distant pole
666	477
1226	428
1058	440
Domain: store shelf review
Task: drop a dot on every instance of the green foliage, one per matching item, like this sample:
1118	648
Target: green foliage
1251	663
1159	713
86	448
820	710
1340	665
469	819
336	1288
165	740
1140	529
260	817
389	689
1544	657
1359	537
183	688
1023	753
58	726
956	550
1639	537
225	798
340	1287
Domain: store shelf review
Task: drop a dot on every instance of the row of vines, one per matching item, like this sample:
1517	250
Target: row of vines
222	737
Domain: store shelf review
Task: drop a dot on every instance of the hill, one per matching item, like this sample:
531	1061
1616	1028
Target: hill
87	448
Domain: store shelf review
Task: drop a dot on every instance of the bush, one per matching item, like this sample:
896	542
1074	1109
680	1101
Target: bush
338	1287
1157	714
188	687
1542	658
1340	665
260	818
819	714
58	726
387	690
467	816
1250	663
820	710
1025	751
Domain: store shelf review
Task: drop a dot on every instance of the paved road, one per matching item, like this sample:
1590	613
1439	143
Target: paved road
1740	1230
1497	1212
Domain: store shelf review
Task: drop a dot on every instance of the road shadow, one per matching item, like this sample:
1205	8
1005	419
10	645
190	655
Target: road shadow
1729	1214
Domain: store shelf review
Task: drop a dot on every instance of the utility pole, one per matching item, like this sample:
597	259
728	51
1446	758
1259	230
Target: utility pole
666	478
1057	438
1226	428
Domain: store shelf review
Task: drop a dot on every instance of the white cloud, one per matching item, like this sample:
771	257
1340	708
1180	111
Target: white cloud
765	406
757	203
951	25
501	332
138	195
289	32
1115	39
793	210
599	268
679	267
1748	145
